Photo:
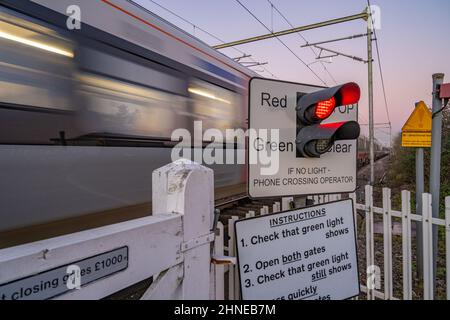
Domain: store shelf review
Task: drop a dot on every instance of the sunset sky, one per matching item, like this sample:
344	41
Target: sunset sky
413	42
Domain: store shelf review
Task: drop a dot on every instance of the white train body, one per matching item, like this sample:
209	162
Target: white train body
87	115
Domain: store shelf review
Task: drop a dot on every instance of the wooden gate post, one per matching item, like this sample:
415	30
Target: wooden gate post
187	188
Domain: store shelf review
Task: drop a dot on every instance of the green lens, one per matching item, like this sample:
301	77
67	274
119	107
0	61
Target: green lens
322	145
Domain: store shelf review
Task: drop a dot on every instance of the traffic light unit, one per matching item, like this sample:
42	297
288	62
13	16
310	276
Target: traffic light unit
314	138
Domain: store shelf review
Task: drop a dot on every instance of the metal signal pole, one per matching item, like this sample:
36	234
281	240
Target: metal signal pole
435	165
370	88
420	189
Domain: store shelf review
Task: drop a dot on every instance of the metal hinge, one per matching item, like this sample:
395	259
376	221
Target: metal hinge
223	260
185	246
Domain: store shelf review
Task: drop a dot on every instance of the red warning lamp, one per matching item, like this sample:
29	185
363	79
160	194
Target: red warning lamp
314	138
325	108
350	94
317	106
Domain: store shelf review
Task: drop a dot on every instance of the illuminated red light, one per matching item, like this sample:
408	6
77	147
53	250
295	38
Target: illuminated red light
333	125
350	94
325	108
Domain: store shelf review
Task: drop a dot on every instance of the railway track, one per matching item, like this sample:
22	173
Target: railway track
241	205
57	228
380	169
231	200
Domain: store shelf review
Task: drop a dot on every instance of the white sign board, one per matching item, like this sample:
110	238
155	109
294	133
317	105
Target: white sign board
272	105
55	282
303	254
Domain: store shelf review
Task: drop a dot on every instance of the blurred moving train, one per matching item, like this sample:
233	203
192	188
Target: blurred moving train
364	151
86	115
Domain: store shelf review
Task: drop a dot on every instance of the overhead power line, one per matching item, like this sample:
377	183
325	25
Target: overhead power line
204	31
334	40
281	41
301	36
382	124
185	20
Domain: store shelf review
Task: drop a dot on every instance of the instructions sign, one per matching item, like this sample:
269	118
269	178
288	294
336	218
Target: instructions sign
303	254
57	281
276	170
416	133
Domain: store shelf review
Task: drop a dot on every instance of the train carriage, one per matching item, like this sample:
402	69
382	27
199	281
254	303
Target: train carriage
87	114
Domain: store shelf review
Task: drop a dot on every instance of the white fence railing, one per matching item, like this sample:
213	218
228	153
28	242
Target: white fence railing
407	217
387	214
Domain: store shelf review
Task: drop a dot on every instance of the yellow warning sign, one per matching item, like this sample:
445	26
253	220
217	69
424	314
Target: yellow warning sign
417	130
416	139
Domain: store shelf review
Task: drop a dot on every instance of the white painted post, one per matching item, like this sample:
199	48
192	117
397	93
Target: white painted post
250	214
232	271
355	213
187	188
369	235
275	207
427	233
316	199
285	203
387	243
447	244
219	269
406	245
321	198
262	211
237	287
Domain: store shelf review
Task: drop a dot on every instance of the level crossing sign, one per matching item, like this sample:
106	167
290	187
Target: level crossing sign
416	132
302	138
